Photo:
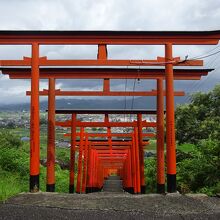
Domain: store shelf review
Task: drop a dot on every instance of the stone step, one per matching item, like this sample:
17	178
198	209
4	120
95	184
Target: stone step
114	178
113	184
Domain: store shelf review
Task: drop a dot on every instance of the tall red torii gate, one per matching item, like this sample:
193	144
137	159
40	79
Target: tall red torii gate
138	153
104	38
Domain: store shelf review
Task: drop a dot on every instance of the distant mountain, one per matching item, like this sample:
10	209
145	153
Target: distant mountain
136	103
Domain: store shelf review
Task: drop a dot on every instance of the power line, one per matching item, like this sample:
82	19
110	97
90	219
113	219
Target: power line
196	85
209	76
125	105
207	52
134	85
171	61
132	101
202	57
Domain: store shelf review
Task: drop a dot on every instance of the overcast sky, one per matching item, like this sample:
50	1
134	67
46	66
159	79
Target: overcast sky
107	15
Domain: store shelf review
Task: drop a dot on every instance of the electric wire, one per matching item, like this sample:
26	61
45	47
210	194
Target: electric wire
125	100
132	101
203	57
206	53
197	84
206	79
134	85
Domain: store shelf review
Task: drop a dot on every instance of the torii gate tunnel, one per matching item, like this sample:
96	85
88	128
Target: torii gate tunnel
101	154
111	153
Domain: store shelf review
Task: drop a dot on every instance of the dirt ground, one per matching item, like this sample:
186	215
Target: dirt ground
110	206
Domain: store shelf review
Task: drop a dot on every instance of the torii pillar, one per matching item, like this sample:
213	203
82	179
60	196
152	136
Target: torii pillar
72	153
160	137
141	152
34	121
170	121
51	137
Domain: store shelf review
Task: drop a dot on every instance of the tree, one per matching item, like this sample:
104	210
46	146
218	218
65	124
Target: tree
199	171
200	119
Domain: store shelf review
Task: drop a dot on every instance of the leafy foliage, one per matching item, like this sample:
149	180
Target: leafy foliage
150	174
200	119
14	167
9	140
199	171
198	123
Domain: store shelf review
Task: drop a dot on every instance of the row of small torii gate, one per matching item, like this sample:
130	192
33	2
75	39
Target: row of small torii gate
101	154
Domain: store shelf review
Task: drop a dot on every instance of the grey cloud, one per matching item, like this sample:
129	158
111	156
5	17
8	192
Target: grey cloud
107	15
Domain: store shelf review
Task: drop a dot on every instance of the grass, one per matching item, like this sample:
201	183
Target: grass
152	145
186	148
15	180
61	179
183	147
10	185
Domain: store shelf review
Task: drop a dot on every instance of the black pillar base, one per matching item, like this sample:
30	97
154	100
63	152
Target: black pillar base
71	188
129	189
143	189
50	188
97	189
93	189
34	183
160	188
88	189
171	183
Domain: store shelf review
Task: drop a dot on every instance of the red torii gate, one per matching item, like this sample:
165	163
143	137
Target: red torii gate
139	186
139	125
103	38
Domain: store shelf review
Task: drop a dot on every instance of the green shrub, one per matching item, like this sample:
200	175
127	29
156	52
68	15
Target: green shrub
62	180
200	119
13	160
8	139
150	174
200	171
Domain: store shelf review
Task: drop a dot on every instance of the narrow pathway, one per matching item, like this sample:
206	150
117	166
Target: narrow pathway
113	184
